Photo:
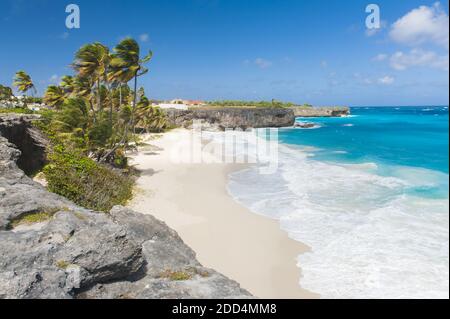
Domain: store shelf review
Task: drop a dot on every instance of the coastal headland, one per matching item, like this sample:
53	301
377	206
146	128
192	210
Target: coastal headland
250	117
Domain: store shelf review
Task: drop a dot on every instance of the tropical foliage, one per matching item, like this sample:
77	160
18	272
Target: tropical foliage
6	93
92	123
23	82
84	181
95	109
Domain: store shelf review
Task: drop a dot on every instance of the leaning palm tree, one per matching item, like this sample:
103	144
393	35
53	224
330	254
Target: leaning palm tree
128	64
118	76
82	87
67	84
23	82
54	96
92	62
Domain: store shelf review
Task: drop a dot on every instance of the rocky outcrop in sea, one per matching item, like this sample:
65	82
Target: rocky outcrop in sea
52	248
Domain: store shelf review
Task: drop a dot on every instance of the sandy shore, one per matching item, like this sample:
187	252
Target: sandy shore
193	200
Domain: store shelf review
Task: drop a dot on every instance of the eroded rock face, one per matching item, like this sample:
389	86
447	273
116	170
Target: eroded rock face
32	144
78	253
321	111
232	118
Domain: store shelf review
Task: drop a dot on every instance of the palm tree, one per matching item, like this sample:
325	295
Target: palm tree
149	117
67	84
54	96
118	75
92	62
128	64
82	87
5	92
23	82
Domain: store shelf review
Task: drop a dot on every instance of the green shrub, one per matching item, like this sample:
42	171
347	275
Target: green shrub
85	182
19	110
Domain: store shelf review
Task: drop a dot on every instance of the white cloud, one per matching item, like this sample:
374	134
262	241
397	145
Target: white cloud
380	57
324	64
144	37
418	57
386	80
262	63
423	24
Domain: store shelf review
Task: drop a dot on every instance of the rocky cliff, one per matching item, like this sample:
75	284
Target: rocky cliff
52	248
243	118
321	111
233	118
33	145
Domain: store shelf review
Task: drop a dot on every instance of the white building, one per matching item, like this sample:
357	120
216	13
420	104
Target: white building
173	106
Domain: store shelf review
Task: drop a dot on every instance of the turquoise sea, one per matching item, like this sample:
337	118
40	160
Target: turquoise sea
369	194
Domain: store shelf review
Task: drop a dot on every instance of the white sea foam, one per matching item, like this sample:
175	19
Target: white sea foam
369	238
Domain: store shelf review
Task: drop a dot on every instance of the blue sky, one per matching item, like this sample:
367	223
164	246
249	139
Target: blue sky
317	52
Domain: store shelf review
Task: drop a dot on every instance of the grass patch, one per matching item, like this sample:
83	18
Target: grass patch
17	110
176	275
33	218
62	264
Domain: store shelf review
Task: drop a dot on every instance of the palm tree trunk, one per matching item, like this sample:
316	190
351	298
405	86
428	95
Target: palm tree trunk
99	98
94	115
120	95
111	108
134	103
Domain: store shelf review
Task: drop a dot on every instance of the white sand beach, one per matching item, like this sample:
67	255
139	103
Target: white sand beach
193	200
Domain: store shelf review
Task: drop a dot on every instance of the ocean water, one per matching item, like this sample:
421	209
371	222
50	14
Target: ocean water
369	194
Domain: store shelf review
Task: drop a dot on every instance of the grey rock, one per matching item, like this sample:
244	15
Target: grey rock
232	118
78	253
334	111
305	125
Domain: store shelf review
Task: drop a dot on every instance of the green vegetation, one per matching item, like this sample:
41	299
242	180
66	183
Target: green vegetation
97	109
62	264
91	121
182	275
18	110
252	104
33	218
176	275
6	93
24	83
84	181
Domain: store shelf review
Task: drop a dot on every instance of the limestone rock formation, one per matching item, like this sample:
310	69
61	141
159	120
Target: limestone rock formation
72	252
321	111
232	118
